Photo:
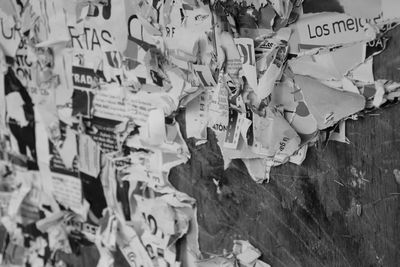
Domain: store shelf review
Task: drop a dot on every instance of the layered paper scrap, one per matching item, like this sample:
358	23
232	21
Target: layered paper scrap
99	97
243	254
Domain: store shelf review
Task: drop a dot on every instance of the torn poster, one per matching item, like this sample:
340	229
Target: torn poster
98	99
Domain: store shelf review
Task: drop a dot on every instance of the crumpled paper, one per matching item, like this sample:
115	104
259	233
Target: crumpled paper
91	92
243	254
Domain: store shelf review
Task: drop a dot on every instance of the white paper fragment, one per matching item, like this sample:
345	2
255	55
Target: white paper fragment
339	133
89	156
328	30
299	156
328	105
101	88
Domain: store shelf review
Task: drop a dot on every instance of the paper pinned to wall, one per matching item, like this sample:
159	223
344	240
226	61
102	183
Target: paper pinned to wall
93	95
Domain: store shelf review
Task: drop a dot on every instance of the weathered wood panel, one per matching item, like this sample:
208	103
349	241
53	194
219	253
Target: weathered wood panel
307	216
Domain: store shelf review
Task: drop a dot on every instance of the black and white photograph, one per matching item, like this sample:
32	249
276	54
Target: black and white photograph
180	133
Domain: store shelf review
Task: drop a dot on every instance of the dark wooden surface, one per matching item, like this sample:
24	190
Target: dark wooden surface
309	215
305	216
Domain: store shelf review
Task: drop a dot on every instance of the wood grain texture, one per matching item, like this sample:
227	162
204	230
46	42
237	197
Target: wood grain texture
307	215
